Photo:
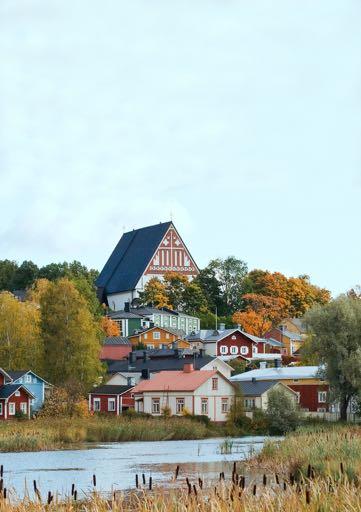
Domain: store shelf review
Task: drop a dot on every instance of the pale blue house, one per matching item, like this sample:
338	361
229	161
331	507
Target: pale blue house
35	384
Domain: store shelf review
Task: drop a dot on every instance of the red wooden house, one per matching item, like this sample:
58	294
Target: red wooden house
111	399
233	342
14	398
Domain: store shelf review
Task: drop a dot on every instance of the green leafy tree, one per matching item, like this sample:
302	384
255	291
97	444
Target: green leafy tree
238	366
282	413
20	342
193	299
71	336
211	288
7	274
175	286
336	340
25	275
230	274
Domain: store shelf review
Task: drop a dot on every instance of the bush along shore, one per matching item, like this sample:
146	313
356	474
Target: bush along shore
315	475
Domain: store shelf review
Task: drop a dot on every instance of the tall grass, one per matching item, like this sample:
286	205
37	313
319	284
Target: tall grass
45	434
328	449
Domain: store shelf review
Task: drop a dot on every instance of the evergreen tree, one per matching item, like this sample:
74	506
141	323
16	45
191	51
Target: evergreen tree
71	336
8	270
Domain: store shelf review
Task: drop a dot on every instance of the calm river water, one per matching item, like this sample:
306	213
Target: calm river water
116	464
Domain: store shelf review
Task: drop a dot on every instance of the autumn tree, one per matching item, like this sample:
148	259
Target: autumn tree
335	331
71	336
260	314
20	342
154	294
36	291
109	327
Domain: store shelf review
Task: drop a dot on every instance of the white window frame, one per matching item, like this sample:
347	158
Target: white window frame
322	397
28	378
298	397
204	406
244	350
24	407
234	349
254	349
156	335
155	405
111	401
150	346
225	405
180	404
12	409
233	337
17	393
96	404
224	349
321	409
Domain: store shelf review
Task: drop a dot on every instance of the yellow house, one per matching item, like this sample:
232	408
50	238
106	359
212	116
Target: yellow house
291	341
159	337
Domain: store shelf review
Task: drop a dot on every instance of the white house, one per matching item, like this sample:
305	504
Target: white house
201	392
255	393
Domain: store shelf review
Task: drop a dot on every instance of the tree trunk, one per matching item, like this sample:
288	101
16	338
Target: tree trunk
343	408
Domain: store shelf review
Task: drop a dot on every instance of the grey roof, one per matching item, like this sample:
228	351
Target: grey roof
298	322
116	340
257	388
110	389
17	374
292	335
275	343
158	364
130	258
286	372
9	389
217	335
123	314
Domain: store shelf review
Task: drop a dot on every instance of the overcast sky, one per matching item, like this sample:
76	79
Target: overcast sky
242	118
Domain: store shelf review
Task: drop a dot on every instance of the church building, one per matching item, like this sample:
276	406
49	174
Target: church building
140	255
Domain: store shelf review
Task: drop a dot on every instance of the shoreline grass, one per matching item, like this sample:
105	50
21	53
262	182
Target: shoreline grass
49	434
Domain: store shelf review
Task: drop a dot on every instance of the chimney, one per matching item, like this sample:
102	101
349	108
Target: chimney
130	381
132	357
262	365
222	327
188	368
277	363
127	307
145	374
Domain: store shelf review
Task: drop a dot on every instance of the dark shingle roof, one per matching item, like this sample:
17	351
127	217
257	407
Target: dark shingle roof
9	389
130	258
157	365
109	389
17	374
116	340
257	388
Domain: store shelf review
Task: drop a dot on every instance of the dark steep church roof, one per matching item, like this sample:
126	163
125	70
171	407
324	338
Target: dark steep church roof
130	258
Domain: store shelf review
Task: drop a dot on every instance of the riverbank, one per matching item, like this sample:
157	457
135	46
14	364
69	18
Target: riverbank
53	433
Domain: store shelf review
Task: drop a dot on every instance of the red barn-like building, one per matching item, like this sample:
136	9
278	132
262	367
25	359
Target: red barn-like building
111	399
14	398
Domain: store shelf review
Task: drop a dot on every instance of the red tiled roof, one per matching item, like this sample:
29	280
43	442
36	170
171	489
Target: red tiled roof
175	381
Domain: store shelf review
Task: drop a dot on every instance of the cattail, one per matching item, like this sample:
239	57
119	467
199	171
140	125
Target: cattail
254	490
264	480
292	479
341	467
35	487
1	484
309	471
277	479
143	478
242	482
176	473
50	498
308	496
189	486
4	493
150	483
200	482
72	489
136	481
94	480
284	486
195	489
1	470
75	495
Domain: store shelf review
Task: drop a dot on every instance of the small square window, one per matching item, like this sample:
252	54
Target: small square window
96	403
156	335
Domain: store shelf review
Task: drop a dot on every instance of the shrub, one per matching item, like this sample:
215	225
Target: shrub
166	411
282	413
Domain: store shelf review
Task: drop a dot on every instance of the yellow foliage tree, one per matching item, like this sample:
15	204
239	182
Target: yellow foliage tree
155	293
20	342
109	327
